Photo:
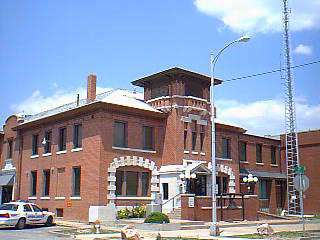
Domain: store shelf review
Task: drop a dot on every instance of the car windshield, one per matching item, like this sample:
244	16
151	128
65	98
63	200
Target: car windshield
11	207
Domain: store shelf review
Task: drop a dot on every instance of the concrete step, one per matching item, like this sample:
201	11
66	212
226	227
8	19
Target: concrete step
175	214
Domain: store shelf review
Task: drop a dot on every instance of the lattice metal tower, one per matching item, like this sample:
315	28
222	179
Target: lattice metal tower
292	152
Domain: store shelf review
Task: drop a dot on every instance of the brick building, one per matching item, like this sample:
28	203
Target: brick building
309	154
123	148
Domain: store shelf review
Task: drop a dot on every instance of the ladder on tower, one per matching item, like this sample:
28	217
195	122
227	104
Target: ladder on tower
294	199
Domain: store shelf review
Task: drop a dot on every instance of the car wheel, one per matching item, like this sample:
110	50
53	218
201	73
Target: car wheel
21	224
49	221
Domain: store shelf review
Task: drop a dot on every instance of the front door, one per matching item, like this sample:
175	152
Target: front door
198	186
6	194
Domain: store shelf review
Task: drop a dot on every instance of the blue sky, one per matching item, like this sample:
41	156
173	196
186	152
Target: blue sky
48	49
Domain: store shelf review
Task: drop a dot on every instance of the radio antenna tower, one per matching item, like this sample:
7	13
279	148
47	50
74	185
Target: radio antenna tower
292	153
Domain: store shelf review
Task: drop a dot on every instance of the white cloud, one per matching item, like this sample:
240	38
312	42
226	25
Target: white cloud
303	49
249	16
267	117
37	102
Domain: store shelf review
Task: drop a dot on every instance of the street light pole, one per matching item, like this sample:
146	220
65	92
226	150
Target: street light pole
213	61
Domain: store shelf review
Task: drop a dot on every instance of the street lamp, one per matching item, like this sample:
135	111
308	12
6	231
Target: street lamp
213	61
251	180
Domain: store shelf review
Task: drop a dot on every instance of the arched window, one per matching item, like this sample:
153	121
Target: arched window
132	181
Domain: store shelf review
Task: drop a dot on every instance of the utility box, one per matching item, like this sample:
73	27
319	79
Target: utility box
153	208
103	213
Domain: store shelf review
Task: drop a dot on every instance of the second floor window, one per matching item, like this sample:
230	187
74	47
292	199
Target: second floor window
77	136
259	153
273	155
46	182
76	181
243	151
120	134
62	139
148	138
202	130
35	144
185	136
10	149
226	148
33	183
48	138
194	135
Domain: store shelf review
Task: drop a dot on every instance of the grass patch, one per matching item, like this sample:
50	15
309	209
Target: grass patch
316	216
283	235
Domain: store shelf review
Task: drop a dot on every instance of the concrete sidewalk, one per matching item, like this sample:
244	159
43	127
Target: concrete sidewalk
228	229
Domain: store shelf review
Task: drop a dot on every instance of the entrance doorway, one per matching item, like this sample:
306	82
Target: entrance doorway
198	185
6	194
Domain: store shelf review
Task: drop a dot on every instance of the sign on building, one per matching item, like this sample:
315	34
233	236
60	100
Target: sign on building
191	202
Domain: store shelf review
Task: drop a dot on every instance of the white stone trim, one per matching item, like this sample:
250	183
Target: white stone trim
61	152
177	96
59	198
76	149
132	161
185	108
194	117
44	198
75	198
232	178
32	198
224	159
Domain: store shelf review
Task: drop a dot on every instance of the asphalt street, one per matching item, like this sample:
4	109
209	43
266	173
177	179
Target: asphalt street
30	232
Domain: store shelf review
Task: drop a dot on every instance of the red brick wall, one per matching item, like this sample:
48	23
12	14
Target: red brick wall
266	154
202	210
94	159
309	153
9	134
174	139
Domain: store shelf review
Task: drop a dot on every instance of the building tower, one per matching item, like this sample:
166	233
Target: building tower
292	153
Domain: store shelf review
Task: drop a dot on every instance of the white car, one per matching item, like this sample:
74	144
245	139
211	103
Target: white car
20	214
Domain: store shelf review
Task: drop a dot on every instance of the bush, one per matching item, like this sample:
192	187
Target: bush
157	217
123	213
136	212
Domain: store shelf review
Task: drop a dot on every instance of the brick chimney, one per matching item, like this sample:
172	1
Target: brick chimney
91	87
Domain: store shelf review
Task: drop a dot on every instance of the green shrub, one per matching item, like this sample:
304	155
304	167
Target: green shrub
138	212
123	213
157	217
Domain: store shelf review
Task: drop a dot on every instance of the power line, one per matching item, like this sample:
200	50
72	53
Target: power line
271	71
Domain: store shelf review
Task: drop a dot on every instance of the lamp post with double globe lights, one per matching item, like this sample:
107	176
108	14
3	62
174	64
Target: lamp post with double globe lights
213	61
250	179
